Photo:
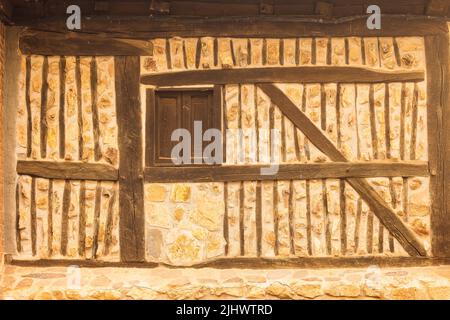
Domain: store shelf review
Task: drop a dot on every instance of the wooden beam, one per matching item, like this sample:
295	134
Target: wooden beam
72	43
6	11
325	74
159	7
67	170
388	217
324	9
131	187
438	95
252	263
301	171
437	7
153	27
101	6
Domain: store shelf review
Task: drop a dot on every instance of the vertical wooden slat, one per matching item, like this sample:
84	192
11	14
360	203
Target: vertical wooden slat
264	52
358	224
283	139
275	217
297	51
258	219
249	52
82	220
369	238
313	51
241	218
80	108
343	216
271	133
397	53
347	51
218	114
65	216
233	53
198	53
323	107
95	121
97	209
28	105
168	55
414	111
131	189
225	126
363	51
33	216
329	51
306	142
308	218
110	222
291	217
281	53
257	122
373	127
327	222
50	219
44	98
18	231
62	107
226	232
216	51
402	122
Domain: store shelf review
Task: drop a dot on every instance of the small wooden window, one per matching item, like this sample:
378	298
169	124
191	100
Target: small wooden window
173	109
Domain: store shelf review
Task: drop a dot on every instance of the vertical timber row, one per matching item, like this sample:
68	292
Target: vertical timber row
131	188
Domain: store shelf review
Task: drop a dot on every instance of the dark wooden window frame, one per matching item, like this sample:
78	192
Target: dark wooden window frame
151	127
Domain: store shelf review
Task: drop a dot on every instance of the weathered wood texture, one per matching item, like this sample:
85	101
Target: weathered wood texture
71	43
68	170
288	171
264	26
131	193
437	56
274	75
389	218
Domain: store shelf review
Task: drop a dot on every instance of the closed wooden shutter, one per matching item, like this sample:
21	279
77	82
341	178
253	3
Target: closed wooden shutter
181	109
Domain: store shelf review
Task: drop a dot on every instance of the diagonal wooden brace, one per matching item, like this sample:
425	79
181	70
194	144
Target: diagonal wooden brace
381	209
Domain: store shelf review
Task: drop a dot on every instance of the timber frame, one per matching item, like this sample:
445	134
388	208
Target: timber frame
128	40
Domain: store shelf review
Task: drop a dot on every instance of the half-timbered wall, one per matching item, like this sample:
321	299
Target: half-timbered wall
67	114
188	223
71	117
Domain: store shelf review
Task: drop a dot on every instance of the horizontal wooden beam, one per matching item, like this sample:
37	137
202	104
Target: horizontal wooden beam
302	171
320	74
6	11
68	170
72	43
151	27
252	263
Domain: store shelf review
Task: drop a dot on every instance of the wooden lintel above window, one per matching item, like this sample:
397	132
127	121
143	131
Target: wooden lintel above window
308	74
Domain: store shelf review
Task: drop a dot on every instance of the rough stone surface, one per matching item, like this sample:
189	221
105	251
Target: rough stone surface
57	283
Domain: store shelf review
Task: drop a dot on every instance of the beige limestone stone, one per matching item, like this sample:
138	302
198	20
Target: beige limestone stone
180	193
156	193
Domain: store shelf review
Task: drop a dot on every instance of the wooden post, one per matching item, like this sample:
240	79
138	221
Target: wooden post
131	188
438	104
